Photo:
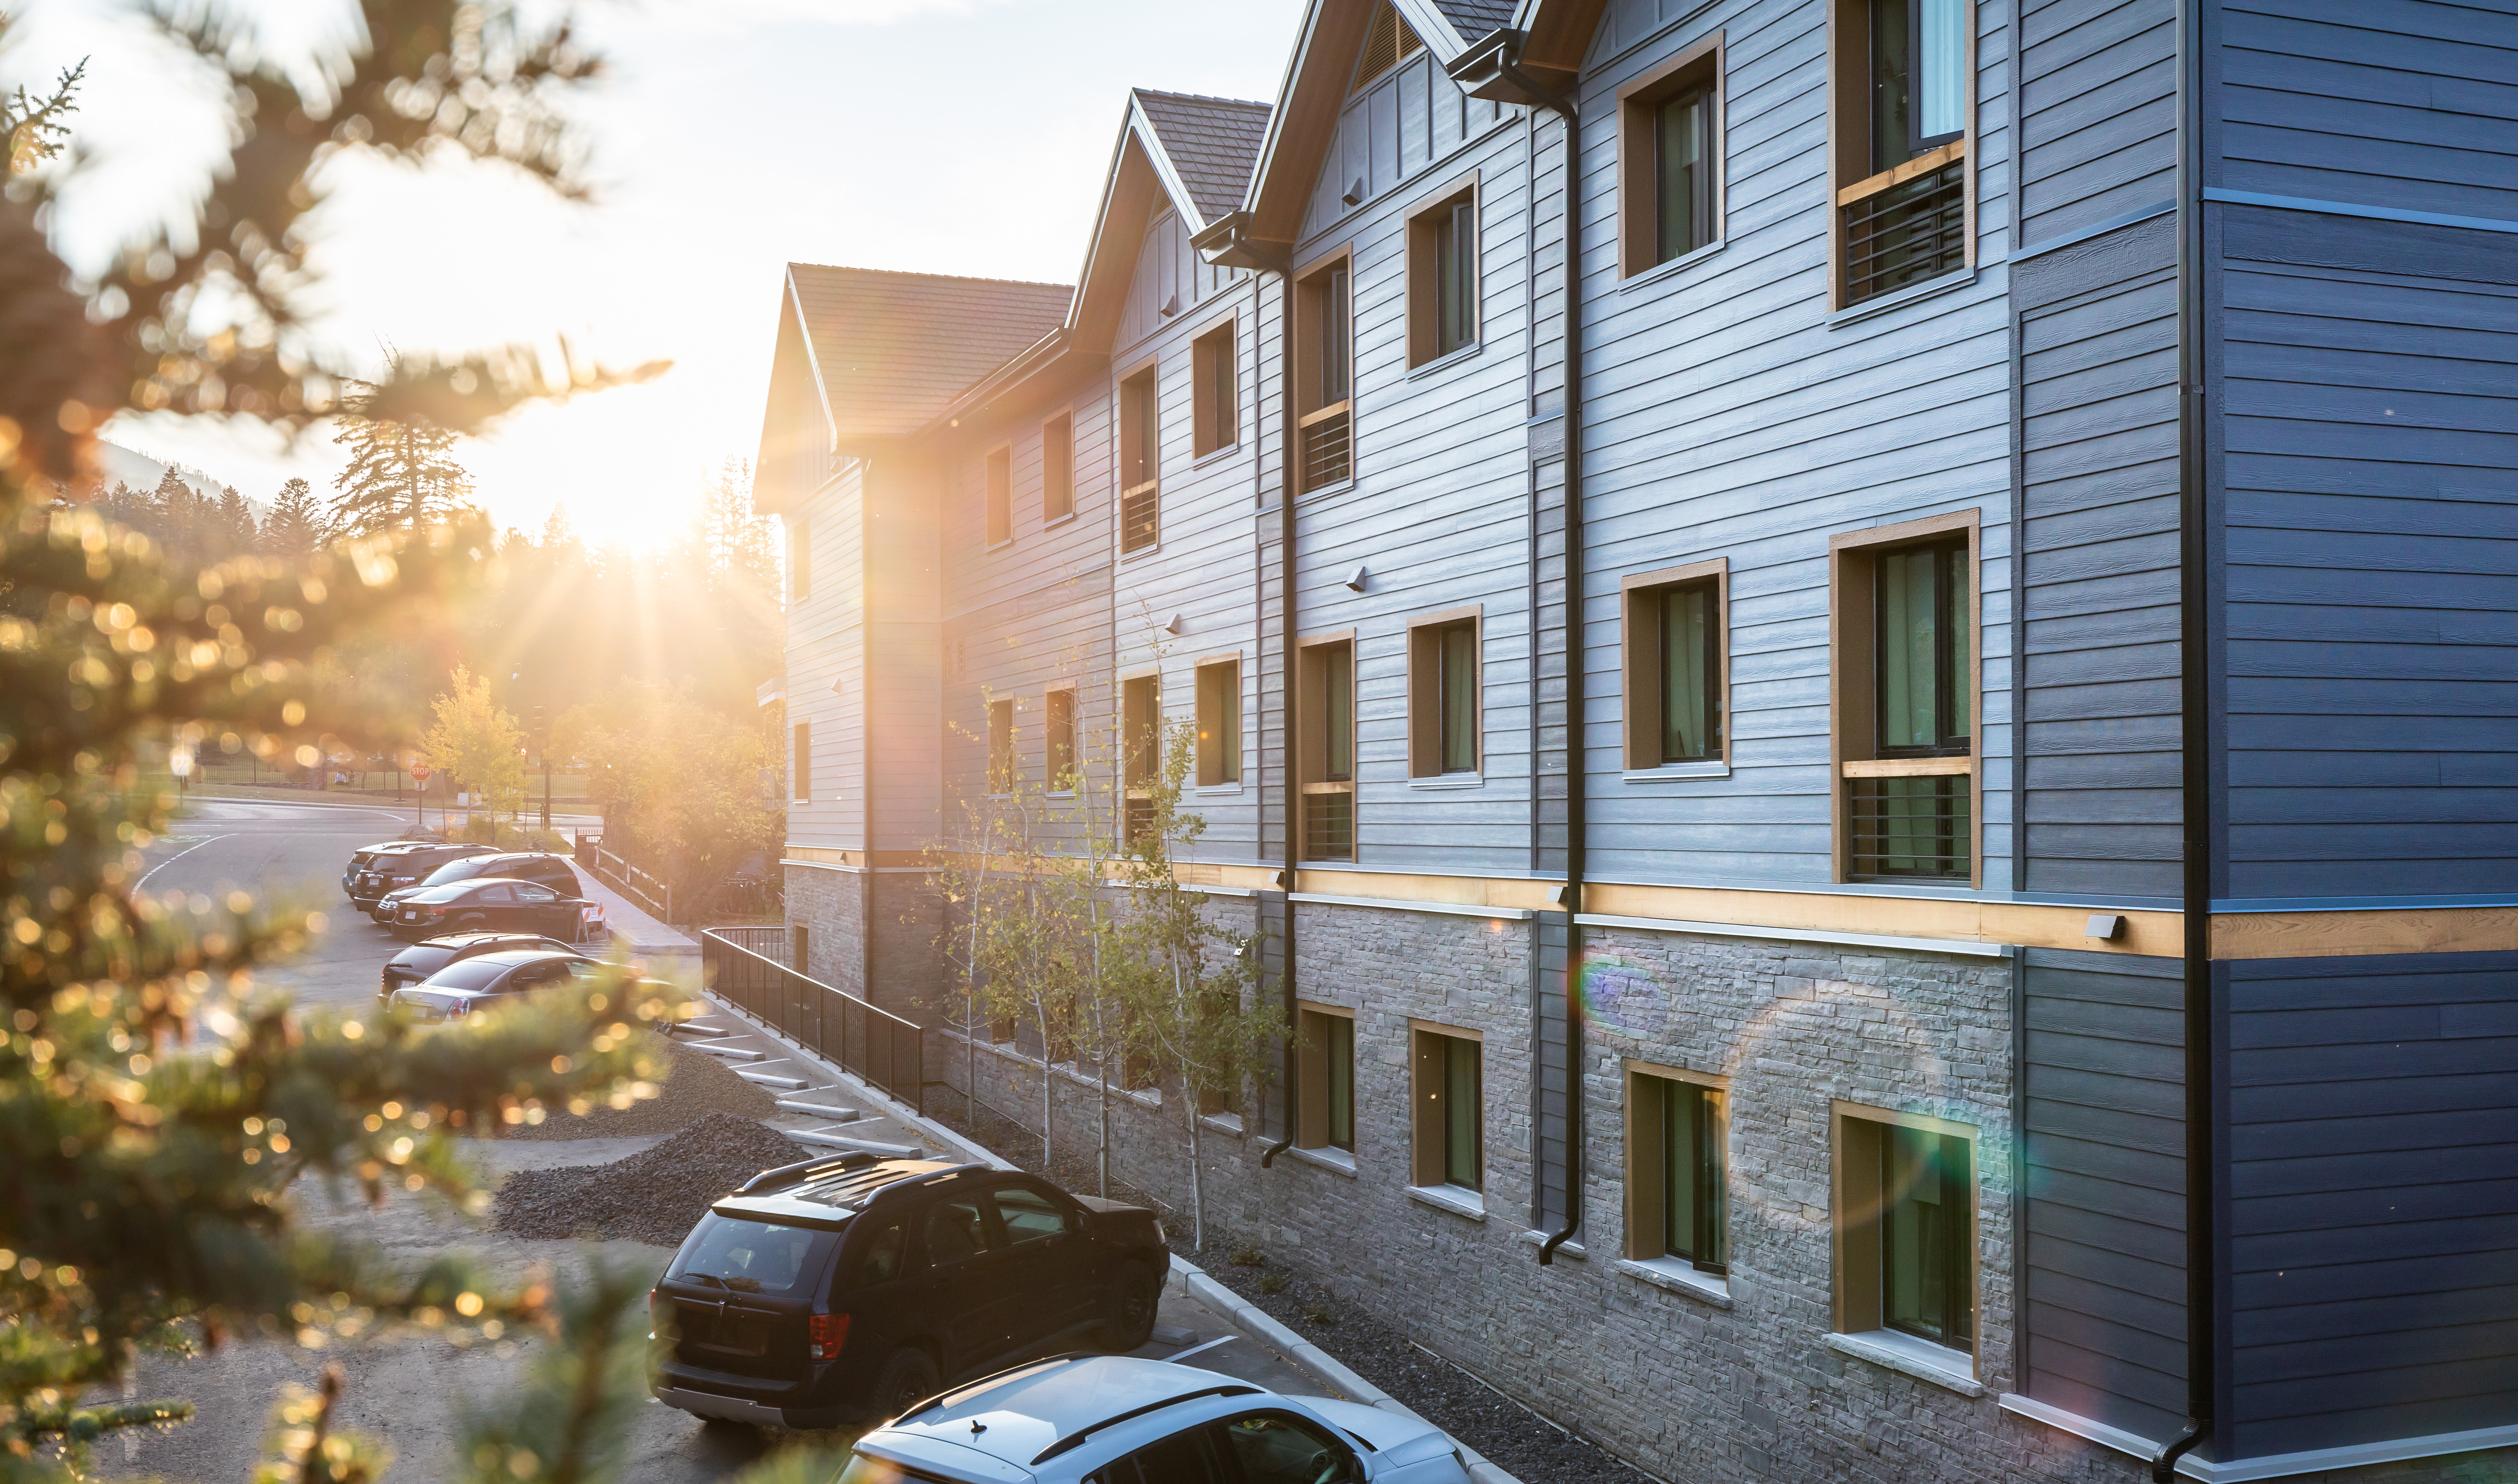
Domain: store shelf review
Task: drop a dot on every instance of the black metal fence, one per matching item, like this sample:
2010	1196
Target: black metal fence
1910	232
1906	829
873	1045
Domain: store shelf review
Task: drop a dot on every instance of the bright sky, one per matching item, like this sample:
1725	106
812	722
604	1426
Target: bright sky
734	136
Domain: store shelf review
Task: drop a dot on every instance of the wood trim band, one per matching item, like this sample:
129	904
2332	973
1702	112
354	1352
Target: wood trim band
1922	164
1323	414
2240	935
1908	768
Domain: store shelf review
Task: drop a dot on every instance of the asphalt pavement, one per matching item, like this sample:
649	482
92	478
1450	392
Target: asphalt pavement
413	1390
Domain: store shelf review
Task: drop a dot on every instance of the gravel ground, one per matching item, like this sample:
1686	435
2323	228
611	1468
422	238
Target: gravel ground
696	1085
1510	1435
656	1196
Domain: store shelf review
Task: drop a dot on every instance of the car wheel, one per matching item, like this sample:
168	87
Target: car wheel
1133	1298
907	1379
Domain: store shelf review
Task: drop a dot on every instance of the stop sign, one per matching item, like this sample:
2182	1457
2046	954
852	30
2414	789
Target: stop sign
419	772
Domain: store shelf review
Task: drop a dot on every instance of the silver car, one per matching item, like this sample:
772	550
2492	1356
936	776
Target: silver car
1116	1419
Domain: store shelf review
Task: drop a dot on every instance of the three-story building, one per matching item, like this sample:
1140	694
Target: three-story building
1856	654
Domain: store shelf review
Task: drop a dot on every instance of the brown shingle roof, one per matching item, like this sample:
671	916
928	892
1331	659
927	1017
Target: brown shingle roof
1212	141
894	348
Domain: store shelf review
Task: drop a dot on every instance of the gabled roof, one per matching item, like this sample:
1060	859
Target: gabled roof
891	350
1474	19
1211	143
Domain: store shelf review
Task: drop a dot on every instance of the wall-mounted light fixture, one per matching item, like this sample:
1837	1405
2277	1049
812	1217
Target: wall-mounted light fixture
1171	306
1354	194
1355	578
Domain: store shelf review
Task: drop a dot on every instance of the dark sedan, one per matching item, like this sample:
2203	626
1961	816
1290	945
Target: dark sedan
472	907
475	984
421	960
553	871
402	865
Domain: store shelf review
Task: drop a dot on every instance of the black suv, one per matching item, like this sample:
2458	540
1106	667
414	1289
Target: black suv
553	871
388	867
423	959
839	1290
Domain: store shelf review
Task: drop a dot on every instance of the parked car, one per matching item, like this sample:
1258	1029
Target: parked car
1116	1419
424	958
553	871
469	984
839	1290
466	906
400	865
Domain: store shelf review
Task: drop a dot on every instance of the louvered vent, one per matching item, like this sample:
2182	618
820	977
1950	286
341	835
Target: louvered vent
1390	42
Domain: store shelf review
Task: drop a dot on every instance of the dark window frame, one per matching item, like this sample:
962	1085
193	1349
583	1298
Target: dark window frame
1445	271
1883	807
1325	761
1321	1122
1867	1197
1902	211
1448	1075
1140	471
1435	700
1324	370
1644	644
1215	390
1660	1098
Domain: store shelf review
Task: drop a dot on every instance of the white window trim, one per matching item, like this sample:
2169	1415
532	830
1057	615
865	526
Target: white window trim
1909	1355
1678	1276
1458	1199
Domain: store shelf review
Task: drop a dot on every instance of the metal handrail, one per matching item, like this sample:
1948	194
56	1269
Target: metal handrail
872	1044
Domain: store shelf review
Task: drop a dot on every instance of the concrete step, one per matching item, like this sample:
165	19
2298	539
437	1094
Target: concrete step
728	1050
869	1146
702	1028
772	1079
820	1110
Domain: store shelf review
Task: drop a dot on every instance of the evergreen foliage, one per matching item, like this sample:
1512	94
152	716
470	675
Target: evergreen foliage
296	526
401	475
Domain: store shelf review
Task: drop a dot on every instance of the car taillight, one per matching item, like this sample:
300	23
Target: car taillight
824	1335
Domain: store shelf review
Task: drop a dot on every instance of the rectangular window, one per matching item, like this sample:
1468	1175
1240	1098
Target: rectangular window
1450	1137
1216	395
1141	463
1670	159
999	494
1902	95
1676	1137
1443	716
1677	666
1326	758
1001	747
1219	722
802	940
800	560
801	768
1060	731
1904	642
1141	721
1328	1076
1323	375
1442	276
1906	1211
1058	469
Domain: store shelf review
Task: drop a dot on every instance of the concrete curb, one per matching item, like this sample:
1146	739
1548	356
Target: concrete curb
1253	1322
1319	1364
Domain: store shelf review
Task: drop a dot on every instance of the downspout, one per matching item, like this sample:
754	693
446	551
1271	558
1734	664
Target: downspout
1288	693
1575	770
2195	697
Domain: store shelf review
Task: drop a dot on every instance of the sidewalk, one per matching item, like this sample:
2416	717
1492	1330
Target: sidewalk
1196	1309
668	952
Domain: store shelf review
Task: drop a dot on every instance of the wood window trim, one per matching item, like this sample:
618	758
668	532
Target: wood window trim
1427	1129
800	767
1424	696
1849	89
997	496
1421	277
1309	408
1148	370
1637	193
1049	693
1646	1240
1855	1206
1644	678
1197	696
1206	438
1050	515
1004	765
1312	1116
1850	730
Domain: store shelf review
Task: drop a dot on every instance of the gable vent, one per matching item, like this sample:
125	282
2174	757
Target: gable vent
1390	42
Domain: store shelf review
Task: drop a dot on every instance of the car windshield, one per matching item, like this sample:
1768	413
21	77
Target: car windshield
467	974
753	1256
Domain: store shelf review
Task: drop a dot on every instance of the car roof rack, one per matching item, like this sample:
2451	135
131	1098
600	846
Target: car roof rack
801	1170
1076	1439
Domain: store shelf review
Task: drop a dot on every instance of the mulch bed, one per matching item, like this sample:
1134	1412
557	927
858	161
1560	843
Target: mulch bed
1511	1436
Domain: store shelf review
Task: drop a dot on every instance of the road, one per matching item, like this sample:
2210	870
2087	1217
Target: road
412	1391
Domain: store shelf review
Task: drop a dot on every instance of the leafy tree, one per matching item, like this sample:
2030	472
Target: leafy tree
296	526
478	745
402	474
679	785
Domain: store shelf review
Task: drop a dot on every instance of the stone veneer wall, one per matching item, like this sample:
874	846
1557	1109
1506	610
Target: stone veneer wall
830	906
